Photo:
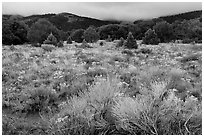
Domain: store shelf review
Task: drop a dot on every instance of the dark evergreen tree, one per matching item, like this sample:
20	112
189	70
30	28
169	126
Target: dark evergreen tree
77	35
84	44
150	38
69	40
90	35
51	39
14	32
130	42
164	31
40	30
60	44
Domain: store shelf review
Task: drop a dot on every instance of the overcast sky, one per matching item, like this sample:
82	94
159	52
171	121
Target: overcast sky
102	10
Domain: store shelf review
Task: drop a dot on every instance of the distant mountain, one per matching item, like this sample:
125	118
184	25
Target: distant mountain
65	21
68	21
181	16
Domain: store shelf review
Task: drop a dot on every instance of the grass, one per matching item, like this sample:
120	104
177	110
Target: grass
101	91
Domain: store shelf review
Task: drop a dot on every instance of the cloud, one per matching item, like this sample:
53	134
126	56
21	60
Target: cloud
103	10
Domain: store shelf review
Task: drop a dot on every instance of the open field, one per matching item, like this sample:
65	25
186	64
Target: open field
155	89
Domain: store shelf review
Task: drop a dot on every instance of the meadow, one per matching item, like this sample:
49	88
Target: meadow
102	89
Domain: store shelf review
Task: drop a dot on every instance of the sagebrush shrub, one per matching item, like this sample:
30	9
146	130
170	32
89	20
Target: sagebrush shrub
101	43
12	47
187	40
121	42
109	39
127	52
97	72
60	44
165	114
144	51
88	113
38	100
36	45
84	44
47	47
130	42
191	57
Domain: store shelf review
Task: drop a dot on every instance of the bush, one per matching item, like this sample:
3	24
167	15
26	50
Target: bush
36	45
51	39
192	57
12	47
150	38
40	30
47	47
69	40
121	42
127	52
97	72
109	39
151	113
90	111
101	43
90	35
187	40
130	42
60	44
84	44
77	35
145	51
39	99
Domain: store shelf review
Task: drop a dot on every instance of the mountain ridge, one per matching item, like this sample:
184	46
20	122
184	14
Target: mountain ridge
68	21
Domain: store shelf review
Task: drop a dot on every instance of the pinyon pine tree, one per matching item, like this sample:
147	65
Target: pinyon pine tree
69	40
150	38
51	39
84	44
130	42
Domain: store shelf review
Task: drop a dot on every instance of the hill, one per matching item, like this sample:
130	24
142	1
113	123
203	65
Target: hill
173	18
68	21
65	21
183	16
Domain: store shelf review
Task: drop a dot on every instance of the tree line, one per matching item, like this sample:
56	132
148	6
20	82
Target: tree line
150	31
